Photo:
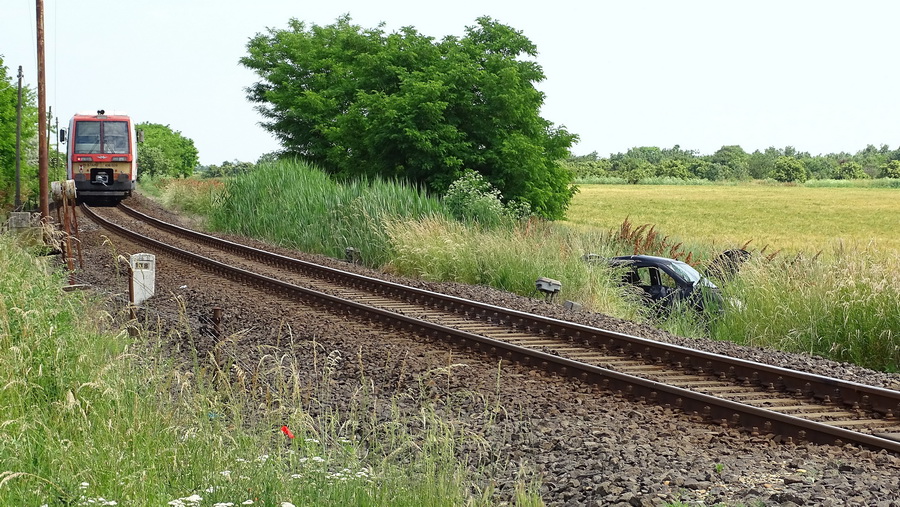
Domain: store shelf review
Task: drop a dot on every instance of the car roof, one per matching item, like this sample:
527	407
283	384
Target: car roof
650	259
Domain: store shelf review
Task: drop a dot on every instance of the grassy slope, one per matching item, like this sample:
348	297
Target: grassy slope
94	416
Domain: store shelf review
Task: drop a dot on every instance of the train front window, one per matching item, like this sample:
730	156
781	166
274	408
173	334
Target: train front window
101	137
87	137
115	137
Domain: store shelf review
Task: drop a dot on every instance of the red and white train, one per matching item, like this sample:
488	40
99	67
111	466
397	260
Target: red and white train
101	156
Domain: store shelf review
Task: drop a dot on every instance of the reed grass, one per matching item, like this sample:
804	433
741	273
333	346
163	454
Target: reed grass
295	204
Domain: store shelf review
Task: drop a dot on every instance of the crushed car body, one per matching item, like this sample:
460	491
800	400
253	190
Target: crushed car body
665	282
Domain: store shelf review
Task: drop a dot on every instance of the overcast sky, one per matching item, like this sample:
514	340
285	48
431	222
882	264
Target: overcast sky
821	76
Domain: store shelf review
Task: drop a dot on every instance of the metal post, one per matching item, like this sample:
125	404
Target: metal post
49	119
217	321
56	160
19	144
43	181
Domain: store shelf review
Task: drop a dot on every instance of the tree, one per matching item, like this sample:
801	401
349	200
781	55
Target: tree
760	164
732	162
227	169
890	170
28	171
850	171
362	103
165	152
152	161
632	169
673	168
789	169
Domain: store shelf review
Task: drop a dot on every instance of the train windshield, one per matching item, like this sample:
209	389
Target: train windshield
101	137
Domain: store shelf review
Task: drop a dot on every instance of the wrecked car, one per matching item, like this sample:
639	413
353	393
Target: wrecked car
664	282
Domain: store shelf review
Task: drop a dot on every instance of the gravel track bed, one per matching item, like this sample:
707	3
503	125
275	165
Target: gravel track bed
585	447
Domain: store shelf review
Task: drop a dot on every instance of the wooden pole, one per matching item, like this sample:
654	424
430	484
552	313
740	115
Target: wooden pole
43	180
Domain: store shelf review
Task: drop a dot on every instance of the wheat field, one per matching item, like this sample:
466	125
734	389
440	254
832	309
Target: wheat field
788	218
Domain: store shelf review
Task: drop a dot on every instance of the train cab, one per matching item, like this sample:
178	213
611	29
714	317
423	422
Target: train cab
101	156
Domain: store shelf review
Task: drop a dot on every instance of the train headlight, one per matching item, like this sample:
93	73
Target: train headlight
83	159
120	159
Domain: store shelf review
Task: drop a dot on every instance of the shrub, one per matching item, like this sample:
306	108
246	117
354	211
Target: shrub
890	170
472	198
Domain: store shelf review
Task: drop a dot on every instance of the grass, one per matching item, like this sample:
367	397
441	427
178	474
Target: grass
789	218
843	306
510	259
91	415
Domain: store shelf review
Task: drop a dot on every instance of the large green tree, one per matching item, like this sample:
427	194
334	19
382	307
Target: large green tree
28	174
165	152
362	102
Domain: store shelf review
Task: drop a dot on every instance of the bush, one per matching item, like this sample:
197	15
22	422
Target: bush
472	198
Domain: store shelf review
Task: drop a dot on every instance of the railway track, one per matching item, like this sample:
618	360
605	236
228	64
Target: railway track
715	389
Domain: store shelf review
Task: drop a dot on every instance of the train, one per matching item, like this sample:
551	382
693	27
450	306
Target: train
101	156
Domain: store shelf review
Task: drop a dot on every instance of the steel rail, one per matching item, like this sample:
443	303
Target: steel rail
710	408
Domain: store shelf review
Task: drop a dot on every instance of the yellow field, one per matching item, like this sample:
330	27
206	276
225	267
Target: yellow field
788	218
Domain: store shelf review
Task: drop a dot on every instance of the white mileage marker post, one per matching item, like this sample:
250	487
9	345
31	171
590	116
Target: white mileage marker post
143	277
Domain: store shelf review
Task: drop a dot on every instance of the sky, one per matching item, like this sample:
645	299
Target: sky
821	76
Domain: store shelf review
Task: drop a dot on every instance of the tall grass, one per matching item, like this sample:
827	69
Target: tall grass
509	258
294	204
873	183
94	416
197	196
844	306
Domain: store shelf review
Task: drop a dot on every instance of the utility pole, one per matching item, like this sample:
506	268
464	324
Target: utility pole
43	181
19	145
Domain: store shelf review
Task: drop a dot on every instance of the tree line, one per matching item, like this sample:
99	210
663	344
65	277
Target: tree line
733	163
